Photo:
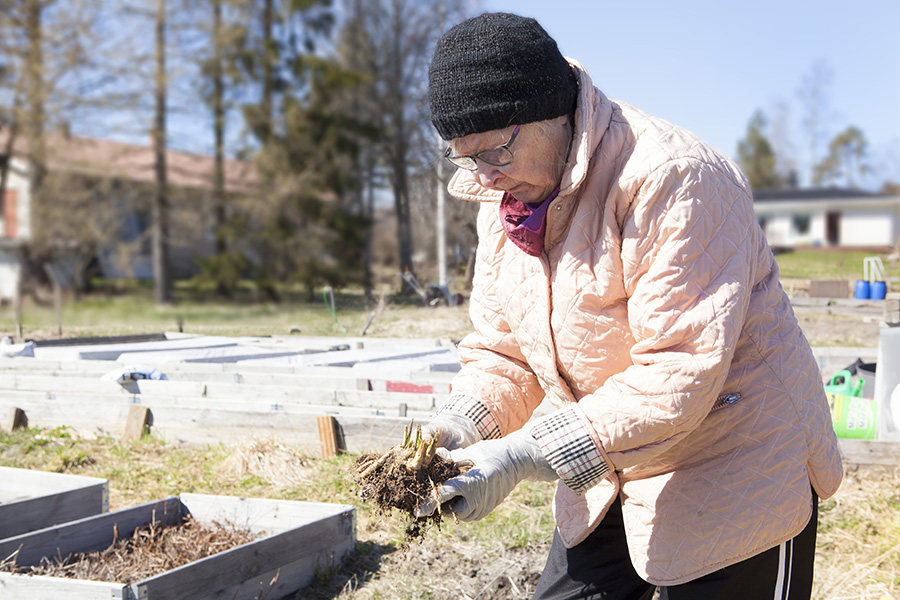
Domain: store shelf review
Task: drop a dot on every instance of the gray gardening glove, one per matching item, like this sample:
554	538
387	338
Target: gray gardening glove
452	431
497	466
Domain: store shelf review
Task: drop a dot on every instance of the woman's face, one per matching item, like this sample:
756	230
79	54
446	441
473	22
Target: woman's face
539	154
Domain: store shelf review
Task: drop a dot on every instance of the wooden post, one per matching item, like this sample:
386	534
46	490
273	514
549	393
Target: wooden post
137	424
17	419
17	299
327	436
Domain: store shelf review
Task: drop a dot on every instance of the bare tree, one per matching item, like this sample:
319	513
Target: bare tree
159	226
217	101
43	48
354	52
400	37
846	159
35	95
782	143
813	95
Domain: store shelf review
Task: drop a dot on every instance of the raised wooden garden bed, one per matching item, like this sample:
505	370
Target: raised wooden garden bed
292	541
31	500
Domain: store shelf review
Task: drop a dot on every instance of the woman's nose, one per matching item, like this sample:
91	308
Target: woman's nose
488	175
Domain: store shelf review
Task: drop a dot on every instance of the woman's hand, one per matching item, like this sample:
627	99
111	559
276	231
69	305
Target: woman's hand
496	467
452	431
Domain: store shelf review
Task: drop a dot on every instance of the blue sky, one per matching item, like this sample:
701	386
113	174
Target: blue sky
708	65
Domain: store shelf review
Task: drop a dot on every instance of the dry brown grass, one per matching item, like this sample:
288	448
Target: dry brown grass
859	537
147	552
268	459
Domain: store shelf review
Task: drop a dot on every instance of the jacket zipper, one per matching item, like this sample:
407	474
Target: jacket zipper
725	400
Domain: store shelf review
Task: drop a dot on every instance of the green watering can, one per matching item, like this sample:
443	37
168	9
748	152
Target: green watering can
842	383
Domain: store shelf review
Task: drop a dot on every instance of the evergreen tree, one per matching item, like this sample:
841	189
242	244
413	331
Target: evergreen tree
221	81
306	227
394	54
756	157
846	158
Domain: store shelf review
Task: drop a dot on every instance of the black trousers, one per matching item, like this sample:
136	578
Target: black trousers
599	569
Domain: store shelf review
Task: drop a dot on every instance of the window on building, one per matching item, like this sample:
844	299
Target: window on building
801	223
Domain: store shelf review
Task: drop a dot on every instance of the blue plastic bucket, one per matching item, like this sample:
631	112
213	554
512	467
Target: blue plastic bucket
878	290
863	290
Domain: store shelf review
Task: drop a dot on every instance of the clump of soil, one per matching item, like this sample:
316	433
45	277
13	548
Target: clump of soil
150	551
400	479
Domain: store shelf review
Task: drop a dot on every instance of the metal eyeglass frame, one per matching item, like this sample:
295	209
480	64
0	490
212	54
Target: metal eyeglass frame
467	161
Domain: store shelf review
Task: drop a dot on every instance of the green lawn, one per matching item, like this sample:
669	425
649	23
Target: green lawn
830	264
131	311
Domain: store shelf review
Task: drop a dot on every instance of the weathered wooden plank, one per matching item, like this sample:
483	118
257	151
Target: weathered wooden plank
358	429
870	452
263	374
355	434
327	436
20	587
70	389
137	423
373	435
59	385
111	352
85	415
221	383
257	514
336	381
31	500
88	368
113	410
829	288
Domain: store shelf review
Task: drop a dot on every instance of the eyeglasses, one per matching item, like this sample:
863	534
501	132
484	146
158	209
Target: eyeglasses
498	156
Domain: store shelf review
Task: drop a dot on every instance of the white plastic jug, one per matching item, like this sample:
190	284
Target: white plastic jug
895	408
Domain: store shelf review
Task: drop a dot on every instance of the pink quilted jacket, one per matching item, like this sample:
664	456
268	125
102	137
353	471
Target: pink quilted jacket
655	323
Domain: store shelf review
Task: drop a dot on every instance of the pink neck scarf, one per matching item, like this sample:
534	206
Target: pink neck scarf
525	223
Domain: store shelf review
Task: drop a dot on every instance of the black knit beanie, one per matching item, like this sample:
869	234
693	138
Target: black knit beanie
497	70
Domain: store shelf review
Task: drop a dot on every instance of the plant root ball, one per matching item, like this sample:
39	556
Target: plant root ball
392	485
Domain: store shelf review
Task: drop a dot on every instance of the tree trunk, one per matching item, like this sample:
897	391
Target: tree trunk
369	212
218	102
268	70
401	176
12	132
162	287
35	92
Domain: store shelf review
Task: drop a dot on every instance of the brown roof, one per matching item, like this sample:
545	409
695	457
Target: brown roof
136	163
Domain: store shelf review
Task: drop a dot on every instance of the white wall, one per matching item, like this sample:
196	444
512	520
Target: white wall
867	228
874	223
781	230
9	273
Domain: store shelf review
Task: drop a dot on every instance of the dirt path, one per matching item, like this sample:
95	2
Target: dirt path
844	324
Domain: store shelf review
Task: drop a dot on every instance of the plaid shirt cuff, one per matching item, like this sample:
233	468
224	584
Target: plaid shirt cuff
570	450
475	411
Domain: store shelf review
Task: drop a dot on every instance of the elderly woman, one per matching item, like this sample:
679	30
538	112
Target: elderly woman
621	276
